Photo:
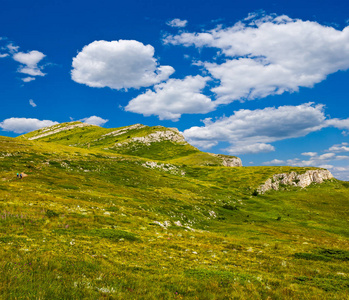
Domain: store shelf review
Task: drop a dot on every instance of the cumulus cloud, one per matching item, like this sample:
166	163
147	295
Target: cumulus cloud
250	148
341	173
28	79
12	48
94	120
269	55
316	161
177	23
32	103
311	154
339	123
22	125
119	65
251	131
274	162
29	62
338	148
171	99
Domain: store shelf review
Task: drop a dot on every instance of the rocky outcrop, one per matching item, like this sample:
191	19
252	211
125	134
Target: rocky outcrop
295	179
228	161
56	129
155	137
124	130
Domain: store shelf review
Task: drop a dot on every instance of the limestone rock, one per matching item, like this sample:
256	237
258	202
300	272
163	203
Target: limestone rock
56	129
124	130
155	137
295	179
228	161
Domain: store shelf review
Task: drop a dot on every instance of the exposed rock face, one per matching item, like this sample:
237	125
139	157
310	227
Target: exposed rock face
157	136
59	128
124	130
228	161
295	179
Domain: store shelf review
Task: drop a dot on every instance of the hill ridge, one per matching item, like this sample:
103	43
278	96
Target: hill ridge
156	142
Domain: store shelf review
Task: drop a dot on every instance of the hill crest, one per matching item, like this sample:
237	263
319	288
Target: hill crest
157	142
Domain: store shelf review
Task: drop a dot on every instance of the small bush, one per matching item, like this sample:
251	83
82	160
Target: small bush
334	253
51	214
230	207
112	234
311	256
255	193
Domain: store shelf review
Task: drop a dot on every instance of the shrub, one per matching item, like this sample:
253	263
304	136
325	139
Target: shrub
230	207
51	214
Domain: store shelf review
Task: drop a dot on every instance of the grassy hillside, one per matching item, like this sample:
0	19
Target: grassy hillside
137	140
87	223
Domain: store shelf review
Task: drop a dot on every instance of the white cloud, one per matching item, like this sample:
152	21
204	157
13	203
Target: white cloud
30	59
326	156
94	120
29	62
318	160
28	79
338	123
274	162
173	98
338	148
30	71
21	125
342	157
311	154
2	55
177	23
341	173
326	166
269	56
250	131
341	168
12	48
119	65
250	148
32	103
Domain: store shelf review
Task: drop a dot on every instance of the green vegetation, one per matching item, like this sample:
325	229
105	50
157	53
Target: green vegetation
89	223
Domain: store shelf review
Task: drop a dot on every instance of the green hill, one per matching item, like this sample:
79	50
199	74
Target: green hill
159	143
98	220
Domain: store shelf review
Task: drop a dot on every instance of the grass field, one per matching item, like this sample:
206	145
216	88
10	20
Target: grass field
91	224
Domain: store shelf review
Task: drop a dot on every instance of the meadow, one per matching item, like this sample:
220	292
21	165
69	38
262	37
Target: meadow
92	224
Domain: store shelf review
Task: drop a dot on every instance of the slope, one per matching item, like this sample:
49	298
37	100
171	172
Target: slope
92	224
158	143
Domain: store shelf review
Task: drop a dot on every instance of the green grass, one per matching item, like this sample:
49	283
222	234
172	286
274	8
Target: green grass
90	224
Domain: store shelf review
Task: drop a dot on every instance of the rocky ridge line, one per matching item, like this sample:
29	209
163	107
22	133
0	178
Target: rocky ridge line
295	179
57	130
124	130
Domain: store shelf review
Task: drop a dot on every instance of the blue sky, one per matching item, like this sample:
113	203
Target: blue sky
264	80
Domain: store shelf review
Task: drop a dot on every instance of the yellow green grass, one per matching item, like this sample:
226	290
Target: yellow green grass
89	224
